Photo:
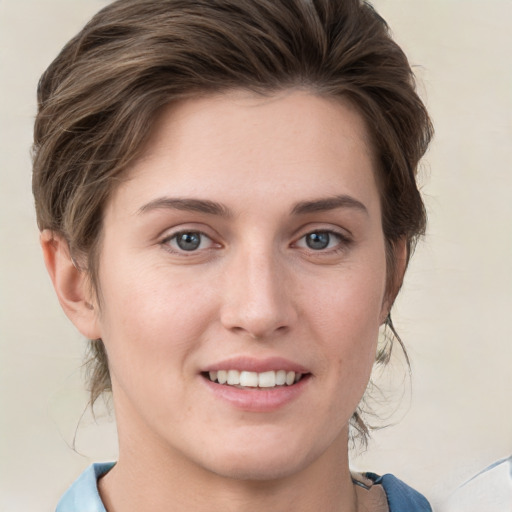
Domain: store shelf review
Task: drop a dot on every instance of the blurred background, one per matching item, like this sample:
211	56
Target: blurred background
454	312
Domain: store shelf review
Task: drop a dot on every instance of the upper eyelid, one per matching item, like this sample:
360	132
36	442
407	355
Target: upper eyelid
170	232
170	236
344	233
329	231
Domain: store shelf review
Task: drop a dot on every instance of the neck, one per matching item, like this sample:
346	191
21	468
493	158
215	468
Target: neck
154	479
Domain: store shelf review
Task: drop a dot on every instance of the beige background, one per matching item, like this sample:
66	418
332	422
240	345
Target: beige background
454	313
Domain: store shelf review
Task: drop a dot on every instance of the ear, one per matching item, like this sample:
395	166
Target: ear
71	284
397	265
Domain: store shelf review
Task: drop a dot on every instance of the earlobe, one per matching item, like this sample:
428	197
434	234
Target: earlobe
71	284
397	263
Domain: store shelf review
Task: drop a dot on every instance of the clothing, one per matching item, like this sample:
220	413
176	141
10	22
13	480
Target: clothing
401	497
83	495
490	490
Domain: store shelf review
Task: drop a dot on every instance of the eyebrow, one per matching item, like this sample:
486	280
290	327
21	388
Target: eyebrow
187	204
328	203
213	208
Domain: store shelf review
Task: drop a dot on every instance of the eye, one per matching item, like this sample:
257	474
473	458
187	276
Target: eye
188	241
320	240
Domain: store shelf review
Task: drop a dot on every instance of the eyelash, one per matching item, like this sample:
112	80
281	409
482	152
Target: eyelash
166	242
342	244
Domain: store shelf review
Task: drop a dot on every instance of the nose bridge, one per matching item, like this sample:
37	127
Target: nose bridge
257	299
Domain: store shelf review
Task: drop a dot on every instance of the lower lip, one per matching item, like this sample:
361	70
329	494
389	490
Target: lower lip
258	399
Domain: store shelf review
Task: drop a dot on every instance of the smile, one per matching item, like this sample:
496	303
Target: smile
247	379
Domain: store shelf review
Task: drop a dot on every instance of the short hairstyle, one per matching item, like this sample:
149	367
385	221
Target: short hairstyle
99	97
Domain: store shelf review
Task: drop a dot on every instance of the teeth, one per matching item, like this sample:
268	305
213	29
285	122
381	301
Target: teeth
281	377
247	379
267	380
233	377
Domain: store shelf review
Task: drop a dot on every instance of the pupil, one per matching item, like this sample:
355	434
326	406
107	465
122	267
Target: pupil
188	241
317	240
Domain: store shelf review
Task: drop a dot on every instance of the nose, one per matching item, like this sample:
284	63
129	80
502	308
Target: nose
258	296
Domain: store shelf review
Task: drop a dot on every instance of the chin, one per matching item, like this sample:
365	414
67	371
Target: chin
261	461
260	471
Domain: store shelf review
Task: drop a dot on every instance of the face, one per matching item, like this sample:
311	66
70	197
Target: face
242	274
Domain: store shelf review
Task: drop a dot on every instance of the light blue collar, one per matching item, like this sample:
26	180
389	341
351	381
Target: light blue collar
83	495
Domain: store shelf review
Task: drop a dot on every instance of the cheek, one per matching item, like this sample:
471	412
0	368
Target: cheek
150	321
347	319
351	303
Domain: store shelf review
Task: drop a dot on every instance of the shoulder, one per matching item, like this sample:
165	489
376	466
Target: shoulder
83	495
401	497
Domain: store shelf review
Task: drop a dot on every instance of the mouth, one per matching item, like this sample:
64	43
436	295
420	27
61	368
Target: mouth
243	379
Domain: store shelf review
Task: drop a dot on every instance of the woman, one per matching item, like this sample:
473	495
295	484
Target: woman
227	199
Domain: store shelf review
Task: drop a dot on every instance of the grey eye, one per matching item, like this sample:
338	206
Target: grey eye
189	241
318	240
183	242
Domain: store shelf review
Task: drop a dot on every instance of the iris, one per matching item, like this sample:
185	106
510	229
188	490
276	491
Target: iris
188	241
318	241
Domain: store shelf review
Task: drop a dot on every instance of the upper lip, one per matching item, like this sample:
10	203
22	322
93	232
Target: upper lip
251	364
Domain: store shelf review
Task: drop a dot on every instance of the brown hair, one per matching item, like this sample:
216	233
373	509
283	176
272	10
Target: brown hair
98	98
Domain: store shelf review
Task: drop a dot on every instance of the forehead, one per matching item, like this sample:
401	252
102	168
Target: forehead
241	114
221	144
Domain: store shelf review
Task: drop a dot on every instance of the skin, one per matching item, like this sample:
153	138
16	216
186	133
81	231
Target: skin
253	288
